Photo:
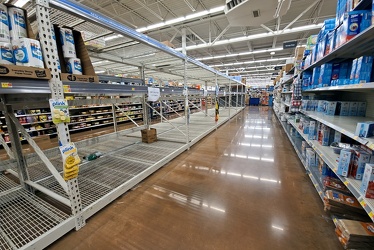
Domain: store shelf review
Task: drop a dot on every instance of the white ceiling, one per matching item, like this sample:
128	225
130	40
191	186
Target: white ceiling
201	31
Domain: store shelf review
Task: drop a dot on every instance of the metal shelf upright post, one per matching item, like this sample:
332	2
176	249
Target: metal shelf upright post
49	49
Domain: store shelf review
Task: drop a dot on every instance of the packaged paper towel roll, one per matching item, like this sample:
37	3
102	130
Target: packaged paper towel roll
67	43
6	51
4	24
17	23
73	66
27	52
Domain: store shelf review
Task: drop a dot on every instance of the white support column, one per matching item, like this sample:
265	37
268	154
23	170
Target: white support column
229	98
186	104
206	98
50	58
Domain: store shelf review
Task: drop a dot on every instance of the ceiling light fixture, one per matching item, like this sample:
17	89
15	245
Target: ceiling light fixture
255	36
240	54
250	62
181	19
99	62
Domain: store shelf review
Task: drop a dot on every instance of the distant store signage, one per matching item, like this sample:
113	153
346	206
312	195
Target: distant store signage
290	45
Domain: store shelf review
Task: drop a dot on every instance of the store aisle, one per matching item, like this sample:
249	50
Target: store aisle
242	187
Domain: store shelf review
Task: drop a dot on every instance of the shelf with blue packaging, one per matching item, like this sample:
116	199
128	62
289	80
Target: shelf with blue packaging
343	124
296	143
363	41
361	87
330	158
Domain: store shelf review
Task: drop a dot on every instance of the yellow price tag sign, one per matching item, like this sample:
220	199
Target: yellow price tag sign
316	185
133	89
355	137
363	203
335	220
67	89
6	85
371	146
346	183
371	214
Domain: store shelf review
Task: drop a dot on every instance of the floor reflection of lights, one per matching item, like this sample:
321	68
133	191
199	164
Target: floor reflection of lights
250	177
184	199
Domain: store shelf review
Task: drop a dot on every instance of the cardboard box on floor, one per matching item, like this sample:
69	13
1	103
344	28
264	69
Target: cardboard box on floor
9	70
149	135
89	74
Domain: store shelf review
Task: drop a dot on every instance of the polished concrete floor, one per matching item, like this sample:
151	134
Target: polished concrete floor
242	187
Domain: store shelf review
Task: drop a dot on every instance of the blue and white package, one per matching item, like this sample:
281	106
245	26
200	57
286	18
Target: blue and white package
17	23
73	66
344	108
67	43
361	109
27	52
363	69
4	24
365	129
353	108
6	51
344	164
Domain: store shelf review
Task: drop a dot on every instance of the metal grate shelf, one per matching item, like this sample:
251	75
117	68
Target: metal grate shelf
6	183
25	217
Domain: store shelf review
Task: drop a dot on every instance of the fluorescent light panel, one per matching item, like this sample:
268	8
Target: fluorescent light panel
250	62
181	19
240	54
255	36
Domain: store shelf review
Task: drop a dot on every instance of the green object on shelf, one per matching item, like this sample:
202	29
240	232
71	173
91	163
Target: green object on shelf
93	156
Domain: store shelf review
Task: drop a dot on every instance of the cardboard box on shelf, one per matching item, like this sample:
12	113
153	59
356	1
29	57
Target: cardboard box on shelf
299	53
345	160
288	67
89	74
149	135
360	158
24	71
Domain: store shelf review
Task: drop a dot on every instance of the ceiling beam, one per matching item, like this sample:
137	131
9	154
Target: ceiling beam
300	15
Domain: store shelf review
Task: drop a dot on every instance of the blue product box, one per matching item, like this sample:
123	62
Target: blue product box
360	158
306	126
321	106
312	130
365	129
337	136
366	20
335	73
310	158
315	105
344	164
361	109
353	108
324	79
330	108
367	181
363	69
344	108
325	135
344	70
315	77
353	70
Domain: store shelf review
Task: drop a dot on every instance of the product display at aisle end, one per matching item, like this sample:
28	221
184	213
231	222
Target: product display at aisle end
330	119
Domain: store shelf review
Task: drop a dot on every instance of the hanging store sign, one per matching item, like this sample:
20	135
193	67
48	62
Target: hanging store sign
290	45
153	94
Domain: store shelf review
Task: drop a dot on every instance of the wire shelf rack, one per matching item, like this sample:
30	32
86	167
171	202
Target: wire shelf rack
25	217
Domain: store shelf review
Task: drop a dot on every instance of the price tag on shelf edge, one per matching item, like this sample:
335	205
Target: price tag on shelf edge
6	85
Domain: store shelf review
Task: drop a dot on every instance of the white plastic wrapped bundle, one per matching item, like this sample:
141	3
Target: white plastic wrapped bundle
4	24
17	23
73	66
6	56
27	52
67	43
